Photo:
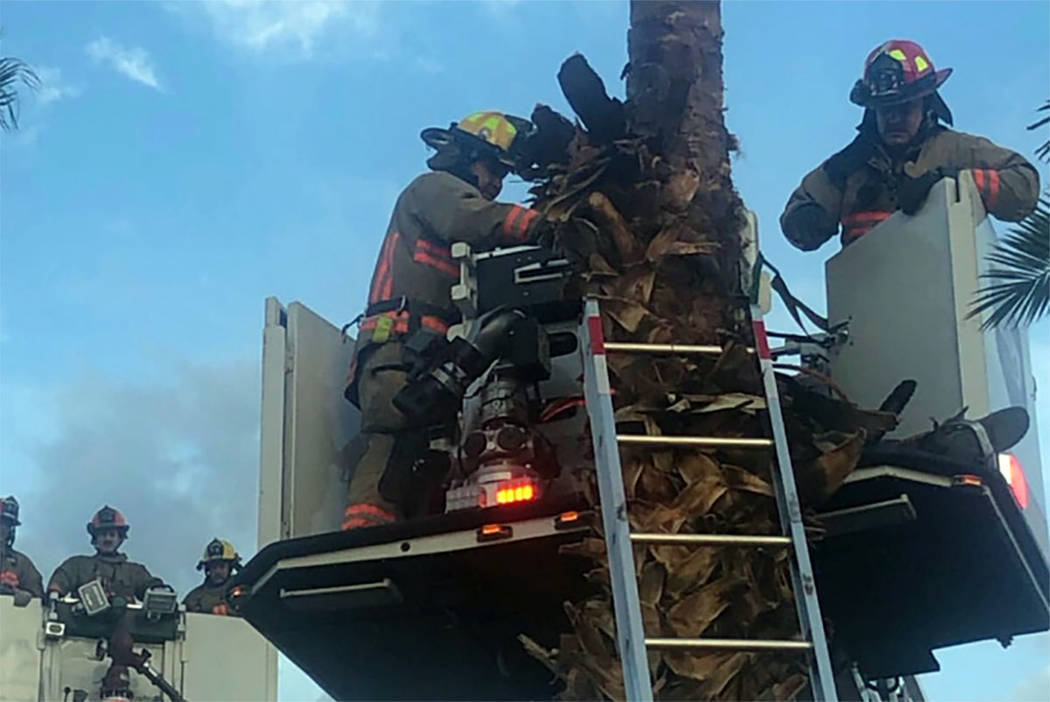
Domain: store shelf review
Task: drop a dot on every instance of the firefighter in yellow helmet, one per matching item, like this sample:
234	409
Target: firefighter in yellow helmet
411	286
219	562
120	577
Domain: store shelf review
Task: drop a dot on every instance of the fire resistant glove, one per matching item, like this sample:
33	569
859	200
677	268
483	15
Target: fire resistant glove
544	233
912	192
808	226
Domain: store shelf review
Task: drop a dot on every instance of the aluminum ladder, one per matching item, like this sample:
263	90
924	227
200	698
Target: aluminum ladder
631	639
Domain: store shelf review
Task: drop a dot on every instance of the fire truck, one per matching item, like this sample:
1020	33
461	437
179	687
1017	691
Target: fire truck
922	550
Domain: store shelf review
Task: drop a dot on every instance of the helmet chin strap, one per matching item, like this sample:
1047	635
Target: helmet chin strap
462	171
455	159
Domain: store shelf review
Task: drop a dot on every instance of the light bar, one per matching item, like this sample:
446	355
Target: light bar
1010	468
517	491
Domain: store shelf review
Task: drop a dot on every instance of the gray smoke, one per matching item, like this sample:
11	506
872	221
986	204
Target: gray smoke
179	459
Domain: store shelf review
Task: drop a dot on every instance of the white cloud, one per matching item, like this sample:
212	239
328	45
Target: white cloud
258	26
179	458
52	86
134	62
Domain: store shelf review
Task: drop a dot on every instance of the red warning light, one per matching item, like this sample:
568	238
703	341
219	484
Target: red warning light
968	479
493	532
1011	470
516	493
568	520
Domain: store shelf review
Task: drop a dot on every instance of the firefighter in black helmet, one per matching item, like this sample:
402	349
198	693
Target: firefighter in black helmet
18	575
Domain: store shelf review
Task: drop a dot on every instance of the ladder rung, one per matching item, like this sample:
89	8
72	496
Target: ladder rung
709	441
710	539
729	645
684	349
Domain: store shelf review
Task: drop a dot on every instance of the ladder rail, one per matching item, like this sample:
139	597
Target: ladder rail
822	678
630	632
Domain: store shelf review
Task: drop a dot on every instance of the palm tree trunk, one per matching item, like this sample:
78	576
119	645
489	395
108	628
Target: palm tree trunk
642	198
675	92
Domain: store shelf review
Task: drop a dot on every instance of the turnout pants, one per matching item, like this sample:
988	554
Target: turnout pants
383	428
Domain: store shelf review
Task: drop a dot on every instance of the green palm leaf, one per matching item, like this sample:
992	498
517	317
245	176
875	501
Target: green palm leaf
12	71
1018	292
1043	151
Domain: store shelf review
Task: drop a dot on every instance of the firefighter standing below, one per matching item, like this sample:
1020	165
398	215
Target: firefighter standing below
900	152
120	577
411	285
18	575
219	562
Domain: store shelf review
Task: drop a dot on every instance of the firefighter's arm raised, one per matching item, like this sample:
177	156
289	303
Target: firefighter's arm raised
1008	183
454	210
811	216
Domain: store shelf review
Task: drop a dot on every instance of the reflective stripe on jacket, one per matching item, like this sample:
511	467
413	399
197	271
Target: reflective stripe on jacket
415	261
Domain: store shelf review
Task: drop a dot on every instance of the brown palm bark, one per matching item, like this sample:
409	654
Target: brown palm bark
641	196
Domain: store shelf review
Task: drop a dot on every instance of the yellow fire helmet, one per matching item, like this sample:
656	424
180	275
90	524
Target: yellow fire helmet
493	133
220	550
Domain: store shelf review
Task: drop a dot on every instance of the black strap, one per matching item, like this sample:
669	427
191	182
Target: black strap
793	304
413	307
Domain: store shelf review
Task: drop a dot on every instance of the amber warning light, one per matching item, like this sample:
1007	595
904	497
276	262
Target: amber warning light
1011	470
523	492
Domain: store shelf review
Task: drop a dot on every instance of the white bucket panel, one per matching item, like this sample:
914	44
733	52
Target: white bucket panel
19	654
906	288
306	424
248	671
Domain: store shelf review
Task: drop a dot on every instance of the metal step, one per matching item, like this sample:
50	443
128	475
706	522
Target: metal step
681	349
728	645
709	539
705	441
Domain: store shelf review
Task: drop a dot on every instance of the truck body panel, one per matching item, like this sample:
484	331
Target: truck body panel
389	591
906	288
205	657
306	423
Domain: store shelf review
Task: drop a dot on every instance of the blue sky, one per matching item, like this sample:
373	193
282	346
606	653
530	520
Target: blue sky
185	160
